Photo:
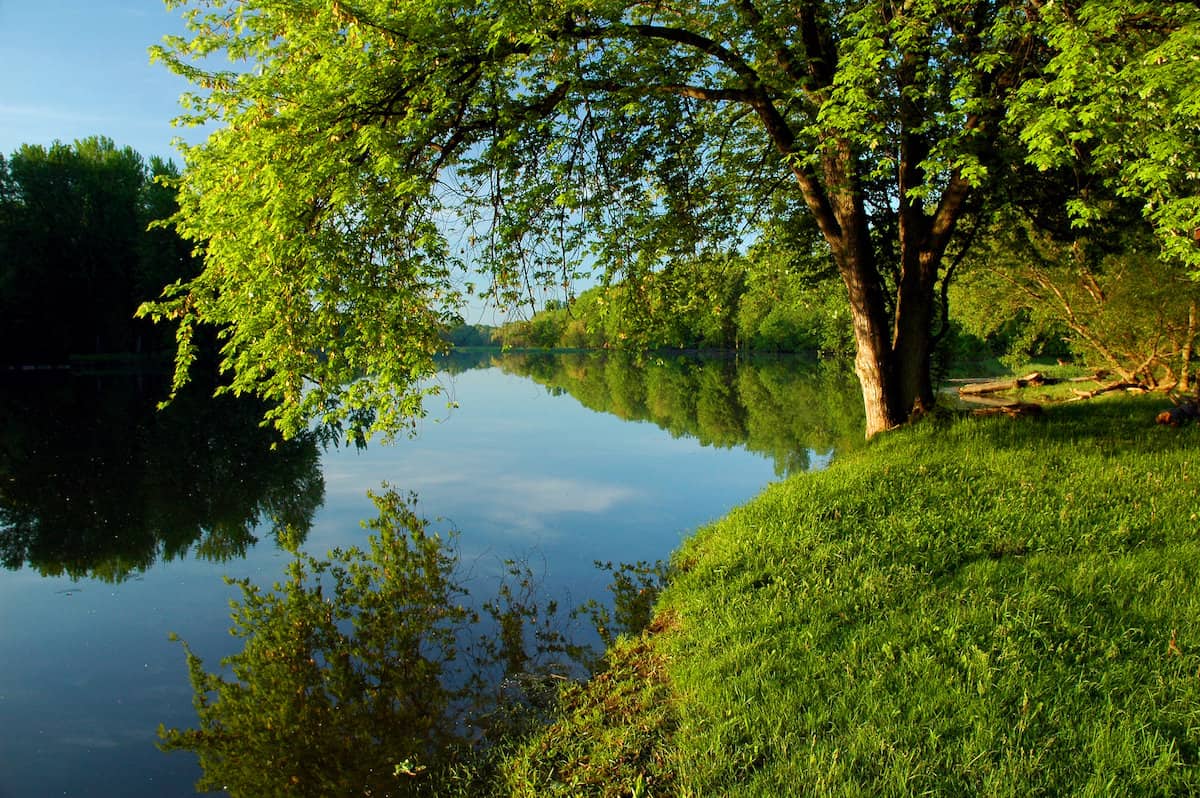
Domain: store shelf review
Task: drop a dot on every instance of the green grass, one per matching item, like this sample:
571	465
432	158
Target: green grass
968	607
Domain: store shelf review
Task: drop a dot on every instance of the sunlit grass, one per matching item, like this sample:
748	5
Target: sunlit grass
969	607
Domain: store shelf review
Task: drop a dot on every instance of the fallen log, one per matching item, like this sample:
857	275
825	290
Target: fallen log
1116	386
1034	378
987	401
1014	410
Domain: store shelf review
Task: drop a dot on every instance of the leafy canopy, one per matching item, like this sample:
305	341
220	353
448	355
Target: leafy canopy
368	157
1121	95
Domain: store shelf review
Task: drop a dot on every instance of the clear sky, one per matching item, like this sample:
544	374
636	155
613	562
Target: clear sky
76	68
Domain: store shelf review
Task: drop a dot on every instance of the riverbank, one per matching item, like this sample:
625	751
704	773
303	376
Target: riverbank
971	606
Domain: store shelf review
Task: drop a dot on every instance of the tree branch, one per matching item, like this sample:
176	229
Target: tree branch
784	57
676	36
949	209
679	89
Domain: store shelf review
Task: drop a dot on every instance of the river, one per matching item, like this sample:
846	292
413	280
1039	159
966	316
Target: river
118	524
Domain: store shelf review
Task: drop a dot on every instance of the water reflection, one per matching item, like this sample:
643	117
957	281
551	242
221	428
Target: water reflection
360	674
98	484
795	412
95	482
373	672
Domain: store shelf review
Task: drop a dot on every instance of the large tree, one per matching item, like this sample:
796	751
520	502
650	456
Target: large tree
364	152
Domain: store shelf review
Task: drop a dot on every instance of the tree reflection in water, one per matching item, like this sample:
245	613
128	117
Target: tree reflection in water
367	673
373	672
95	482
787	409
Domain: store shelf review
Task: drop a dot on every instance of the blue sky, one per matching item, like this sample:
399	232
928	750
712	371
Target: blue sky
76	68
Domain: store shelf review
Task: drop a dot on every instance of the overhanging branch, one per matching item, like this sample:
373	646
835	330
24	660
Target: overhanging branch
687	38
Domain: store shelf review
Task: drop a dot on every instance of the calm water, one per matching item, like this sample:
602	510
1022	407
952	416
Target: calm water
117	524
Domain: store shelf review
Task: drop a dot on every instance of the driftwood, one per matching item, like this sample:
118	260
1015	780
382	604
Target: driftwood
977	388
1013	410
1115	386
987	401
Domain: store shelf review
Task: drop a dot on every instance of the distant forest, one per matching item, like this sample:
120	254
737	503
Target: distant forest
1103	298
78	253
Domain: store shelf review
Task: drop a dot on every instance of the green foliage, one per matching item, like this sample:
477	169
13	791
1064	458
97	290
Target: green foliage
968	607
465	335
789	309
363	154
761	302
1119	97
76	257
610	737
1110	297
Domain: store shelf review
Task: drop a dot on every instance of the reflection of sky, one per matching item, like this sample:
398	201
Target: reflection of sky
521	472
87	672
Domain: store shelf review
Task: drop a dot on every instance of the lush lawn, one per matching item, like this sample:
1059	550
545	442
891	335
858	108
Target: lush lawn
969	607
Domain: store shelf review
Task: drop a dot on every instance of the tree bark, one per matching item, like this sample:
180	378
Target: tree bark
1186	355
894	340
873	362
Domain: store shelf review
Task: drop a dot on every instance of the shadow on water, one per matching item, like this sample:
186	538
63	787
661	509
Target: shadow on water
372	673
95	482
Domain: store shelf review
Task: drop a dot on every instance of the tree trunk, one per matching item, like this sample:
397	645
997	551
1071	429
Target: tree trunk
912	343
1186	355
895	380
893	351
873	361
893	348
854	254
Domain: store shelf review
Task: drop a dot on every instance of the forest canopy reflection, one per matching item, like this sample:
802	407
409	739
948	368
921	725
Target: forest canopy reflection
369	672
786	409
95	482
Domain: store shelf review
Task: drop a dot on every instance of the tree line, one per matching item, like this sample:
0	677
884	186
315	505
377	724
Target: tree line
79	254
82	248
760	301
1030	287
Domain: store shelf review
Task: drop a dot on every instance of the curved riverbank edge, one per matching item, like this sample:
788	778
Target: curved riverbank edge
970	606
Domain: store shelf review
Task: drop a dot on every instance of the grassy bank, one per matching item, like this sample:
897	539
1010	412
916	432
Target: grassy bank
968	607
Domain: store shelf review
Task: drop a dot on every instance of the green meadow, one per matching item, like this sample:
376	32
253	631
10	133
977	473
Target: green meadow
969	606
